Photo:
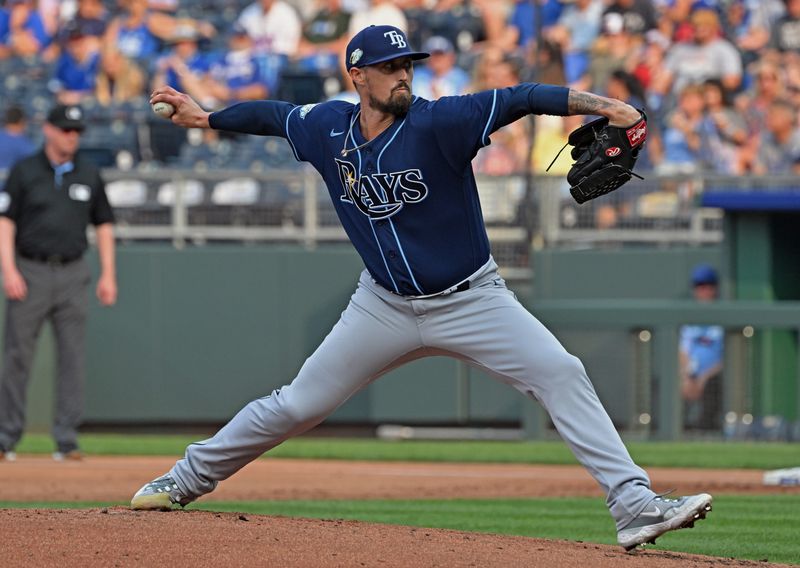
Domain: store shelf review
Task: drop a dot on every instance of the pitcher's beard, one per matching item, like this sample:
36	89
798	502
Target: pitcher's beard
398	104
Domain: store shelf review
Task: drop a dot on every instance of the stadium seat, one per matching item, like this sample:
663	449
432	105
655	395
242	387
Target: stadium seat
236	191
129	198
231	202
193	192
126	193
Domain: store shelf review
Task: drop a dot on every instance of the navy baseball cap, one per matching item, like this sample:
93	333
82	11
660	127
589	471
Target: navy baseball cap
67	117
704	274
377	44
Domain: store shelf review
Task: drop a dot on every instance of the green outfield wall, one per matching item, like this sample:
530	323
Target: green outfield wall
199	332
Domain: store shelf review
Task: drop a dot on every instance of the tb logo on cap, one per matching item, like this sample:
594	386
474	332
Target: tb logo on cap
397	39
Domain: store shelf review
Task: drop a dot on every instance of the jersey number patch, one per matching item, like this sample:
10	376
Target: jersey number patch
381	195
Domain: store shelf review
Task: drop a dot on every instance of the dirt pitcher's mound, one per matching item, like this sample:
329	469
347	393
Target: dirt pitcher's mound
120	537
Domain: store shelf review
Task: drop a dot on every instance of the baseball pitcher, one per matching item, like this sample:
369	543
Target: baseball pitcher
398	169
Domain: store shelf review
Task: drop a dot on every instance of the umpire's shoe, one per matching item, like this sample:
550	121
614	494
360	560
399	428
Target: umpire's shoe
663	515
159	495
7	455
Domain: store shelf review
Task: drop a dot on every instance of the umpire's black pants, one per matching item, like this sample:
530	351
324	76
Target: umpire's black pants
59	293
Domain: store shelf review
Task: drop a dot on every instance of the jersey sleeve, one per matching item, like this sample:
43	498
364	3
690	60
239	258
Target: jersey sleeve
462	125
101	212
272	118
262	118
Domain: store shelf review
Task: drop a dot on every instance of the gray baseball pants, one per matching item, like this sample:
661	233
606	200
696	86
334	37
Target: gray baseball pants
58	293
484	326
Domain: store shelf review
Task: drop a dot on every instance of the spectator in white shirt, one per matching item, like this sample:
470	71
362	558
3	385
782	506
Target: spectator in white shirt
380	12
274	25
707	57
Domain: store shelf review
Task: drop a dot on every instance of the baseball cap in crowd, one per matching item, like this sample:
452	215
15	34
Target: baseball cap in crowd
238	29
704	274
376	44
67	117
438	44
72	30
613	23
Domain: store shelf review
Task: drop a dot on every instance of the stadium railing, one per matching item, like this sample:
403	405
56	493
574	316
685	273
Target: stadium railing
271	202
292	205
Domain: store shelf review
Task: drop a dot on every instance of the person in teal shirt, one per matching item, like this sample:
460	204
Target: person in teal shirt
701	359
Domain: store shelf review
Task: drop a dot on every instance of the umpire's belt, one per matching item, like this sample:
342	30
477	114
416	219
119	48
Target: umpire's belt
54	259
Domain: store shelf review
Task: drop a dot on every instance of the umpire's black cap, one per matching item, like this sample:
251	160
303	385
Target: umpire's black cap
376	44
67	117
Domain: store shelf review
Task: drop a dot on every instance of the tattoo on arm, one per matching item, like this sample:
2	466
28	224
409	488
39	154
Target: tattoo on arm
580	102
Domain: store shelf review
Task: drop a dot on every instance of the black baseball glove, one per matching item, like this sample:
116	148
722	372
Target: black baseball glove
604	157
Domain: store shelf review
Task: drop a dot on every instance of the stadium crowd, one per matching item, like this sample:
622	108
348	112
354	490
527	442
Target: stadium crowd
719	79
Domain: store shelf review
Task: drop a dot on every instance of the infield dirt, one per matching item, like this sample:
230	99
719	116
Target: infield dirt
119	537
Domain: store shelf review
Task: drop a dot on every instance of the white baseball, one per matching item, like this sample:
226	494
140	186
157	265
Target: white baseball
163	109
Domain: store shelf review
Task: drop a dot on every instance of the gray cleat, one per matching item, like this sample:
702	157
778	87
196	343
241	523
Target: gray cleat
160	494
663	515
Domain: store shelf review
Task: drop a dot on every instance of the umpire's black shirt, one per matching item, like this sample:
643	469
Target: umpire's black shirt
51	217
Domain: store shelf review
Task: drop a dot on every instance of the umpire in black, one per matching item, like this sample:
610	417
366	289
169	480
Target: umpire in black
49	200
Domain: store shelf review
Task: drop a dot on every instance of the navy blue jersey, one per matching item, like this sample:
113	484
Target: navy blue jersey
407	199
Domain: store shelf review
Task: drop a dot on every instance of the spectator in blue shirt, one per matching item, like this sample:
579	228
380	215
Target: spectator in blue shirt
241	74
440	77
92	17
77	67
22	31
577	29
701	359
184	62
521	29
136	32
778	151
14	143
683	136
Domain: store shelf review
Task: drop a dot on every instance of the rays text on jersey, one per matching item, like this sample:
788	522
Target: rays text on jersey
380	195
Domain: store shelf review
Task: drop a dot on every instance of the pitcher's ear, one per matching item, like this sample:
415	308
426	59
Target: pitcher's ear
357	75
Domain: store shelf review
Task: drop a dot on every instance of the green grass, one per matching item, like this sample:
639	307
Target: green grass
648	454
755	527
